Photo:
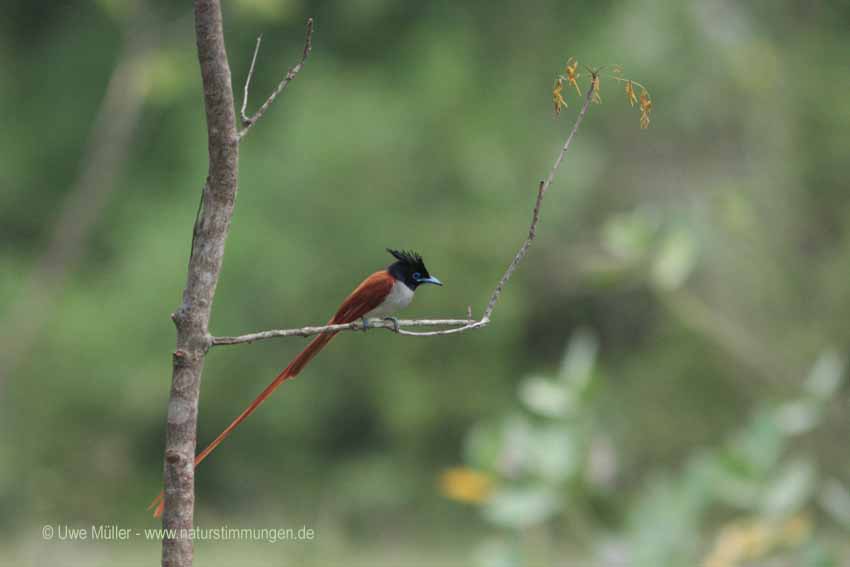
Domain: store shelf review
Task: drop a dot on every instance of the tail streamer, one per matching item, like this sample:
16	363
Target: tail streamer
294	368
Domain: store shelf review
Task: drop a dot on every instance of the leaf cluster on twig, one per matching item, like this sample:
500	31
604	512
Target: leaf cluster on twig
571	76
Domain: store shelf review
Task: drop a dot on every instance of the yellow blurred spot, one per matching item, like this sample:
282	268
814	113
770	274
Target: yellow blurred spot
465	485
740	542
796	530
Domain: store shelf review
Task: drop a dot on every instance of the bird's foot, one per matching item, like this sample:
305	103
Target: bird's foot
365	324
394	321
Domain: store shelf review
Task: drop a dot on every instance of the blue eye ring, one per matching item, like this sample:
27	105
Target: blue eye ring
416	276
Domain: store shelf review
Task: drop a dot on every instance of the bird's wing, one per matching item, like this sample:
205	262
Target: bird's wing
368	295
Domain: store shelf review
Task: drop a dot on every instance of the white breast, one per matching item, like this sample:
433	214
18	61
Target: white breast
399	297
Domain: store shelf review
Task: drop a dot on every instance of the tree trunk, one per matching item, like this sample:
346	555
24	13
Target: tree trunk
193	315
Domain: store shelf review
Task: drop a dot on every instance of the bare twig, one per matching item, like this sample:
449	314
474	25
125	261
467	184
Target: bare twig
245	119
249	121
535	217
460	325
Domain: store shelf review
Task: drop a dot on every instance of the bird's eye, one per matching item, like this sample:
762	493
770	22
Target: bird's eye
417	276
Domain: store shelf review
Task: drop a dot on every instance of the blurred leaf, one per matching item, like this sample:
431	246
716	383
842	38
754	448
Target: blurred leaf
797	417
663	524
790	490
732	481
555	456
826	375
545	397
629	236
483	447
497	553
521	507
834	498
602	464
815	554
516	450
675	260
579	360
758	447
505	448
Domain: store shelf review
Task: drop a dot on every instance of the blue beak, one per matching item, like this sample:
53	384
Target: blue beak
431	280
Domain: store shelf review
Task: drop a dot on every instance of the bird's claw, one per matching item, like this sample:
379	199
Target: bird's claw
365	324
394	321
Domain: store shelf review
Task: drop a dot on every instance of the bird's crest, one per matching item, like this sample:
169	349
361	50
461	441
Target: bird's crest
407	256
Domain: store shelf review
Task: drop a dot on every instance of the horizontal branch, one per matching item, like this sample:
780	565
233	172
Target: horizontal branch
354	326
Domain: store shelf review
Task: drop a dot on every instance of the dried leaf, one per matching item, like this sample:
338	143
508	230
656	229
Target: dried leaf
645	108
572	73
557	96
595	96
630	93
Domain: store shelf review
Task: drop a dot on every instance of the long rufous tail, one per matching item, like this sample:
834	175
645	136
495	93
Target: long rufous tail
296	366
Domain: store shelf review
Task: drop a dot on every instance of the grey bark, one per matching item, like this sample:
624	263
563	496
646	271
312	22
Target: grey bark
193	315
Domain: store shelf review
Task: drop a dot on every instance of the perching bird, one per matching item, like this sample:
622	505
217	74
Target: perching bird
380	295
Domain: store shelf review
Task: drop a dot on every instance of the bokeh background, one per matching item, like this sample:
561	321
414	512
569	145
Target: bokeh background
663	380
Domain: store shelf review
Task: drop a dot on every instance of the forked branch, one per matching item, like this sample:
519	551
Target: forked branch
249	121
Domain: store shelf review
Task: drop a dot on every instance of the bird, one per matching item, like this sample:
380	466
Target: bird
378	296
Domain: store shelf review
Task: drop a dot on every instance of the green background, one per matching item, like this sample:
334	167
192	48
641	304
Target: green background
708	255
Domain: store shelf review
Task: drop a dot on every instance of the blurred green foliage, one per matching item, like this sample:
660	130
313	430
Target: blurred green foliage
551	475
707	256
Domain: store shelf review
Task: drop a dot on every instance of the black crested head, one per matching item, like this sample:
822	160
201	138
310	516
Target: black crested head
410	269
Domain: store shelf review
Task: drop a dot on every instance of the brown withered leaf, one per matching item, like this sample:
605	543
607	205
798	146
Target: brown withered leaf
557	96
630	93
645	108
572	73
